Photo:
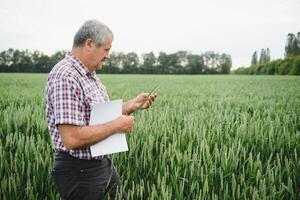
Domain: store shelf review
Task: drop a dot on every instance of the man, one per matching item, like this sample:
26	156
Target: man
72	88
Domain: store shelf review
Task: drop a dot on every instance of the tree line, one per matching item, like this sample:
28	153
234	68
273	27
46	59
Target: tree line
290	65
265	56
181	62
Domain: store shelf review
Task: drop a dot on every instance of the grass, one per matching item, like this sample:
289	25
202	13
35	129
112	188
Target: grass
206	137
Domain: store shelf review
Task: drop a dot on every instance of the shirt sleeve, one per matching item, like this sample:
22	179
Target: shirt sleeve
67	102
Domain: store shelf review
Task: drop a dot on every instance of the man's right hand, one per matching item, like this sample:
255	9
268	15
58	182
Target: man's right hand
124	123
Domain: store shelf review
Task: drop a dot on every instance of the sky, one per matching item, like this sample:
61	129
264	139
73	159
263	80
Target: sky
235	27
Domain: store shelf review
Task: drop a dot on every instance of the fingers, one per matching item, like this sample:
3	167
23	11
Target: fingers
150	100
125	123
153	96
145	101
128	124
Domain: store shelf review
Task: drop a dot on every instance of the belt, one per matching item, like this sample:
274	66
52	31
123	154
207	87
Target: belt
60	154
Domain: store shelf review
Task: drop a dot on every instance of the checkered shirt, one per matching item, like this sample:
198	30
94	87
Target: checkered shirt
70	92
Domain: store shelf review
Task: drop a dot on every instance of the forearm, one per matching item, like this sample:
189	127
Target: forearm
80	137
90	135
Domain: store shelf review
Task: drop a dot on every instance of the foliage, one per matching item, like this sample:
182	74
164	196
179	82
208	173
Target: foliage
180	62
254	58
264	56
206	137
287	66
26	61
292	47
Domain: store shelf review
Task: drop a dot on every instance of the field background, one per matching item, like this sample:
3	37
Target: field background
206	137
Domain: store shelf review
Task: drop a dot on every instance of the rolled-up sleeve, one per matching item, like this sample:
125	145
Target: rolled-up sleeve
67	102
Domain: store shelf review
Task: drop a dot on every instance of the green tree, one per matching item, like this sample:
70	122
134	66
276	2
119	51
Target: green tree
225	64
130	63
268	56
162	61
25	62
292	47
210	59
270	68
283	67
56	57
6	60
254	58
298	43
262	58
295	69
195	64
149	63
182	62
114	64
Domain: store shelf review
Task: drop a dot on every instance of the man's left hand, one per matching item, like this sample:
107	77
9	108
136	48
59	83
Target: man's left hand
144	101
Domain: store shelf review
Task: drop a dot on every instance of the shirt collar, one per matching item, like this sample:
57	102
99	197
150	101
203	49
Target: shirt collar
78	65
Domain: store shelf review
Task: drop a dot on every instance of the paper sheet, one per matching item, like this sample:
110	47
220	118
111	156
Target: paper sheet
103	113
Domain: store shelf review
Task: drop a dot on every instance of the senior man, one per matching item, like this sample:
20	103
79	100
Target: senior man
72	88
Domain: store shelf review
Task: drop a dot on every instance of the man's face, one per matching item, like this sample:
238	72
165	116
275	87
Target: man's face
99	55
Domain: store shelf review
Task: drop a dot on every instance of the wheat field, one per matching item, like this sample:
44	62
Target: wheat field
206	137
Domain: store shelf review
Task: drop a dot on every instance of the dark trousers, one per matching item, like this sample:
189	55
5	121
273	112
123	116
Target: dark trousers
86	179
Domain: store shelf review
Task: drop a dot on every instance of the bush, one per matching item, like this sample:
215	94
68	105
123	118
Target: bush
295	70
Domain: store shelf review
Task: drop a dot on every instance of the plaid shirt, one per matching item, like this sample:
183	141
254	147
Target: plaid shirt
70	92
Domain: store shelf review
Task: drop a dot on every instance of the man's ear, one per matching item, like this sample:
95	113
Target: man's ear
89	43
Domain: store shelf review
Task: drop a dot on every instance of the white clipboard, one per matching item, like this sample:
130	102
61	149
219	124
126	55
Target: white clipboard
103	113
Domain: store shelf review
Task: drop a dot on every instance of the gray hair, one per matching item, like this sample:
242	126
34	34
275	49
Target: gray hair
92	29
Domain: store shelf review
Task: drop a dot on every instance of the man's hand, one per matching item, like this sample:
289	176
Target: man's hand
124	123
144	101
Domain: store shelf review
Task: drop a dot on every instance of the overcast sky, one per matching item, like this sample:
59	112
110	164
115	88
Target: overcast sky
235	27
